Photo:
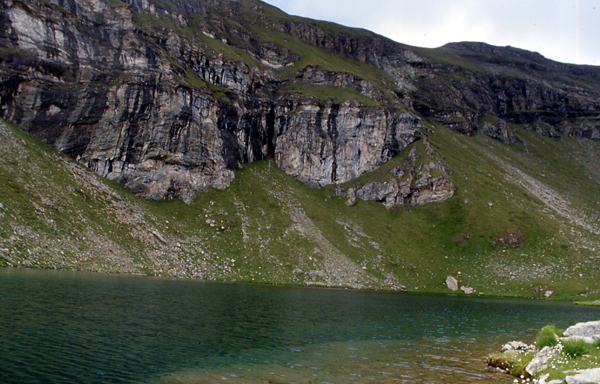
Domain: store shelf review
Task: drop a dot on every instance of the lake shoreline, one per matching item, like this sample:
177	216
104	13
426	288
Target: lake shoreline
165	329
441	291
571	356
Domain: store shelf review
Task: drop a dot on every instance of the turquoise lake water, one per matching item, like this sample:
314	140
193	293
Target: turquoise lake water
66	327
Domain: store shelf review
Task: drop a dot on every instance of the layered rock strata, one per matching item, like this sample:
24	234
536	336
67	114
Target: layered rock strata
416	182
170	97
167	117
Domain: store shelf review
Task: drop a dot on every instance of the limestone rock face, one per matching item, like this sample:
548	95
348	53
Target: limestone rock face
338	143
412	184
169	97
138	107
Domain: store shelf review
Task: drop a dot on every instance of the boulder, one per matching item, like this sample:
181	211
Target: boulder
584	377
351	201
515	346
467	290
452	283
500	131
589	331
540	360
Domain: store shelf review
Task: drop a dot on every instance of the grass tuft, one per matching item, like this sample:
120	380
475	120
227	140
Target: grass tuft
576	348
548	337
512	362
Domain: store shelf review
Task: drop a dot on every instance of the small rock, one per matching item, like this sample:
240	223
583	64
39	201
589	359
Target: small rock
467	290
452	283
543	378
351	201
298	271
548	293
518	346
490	205
540	360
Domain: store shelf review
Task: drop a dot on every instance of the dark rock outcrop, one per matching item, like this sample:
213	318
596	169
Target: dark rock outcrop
499	131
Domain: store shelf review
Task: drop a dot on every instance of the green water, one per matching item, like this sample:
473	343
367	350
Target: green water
63	327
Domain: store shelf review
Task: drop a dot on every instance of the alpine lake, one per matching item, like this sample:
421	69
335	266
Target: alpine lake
72	327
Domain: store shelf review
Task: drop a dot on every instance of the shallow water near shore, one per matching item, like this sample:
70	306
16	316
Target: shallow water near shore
66	327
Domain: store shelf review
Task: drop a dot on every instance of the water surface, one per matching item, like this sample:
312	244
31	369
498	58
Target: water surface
65	327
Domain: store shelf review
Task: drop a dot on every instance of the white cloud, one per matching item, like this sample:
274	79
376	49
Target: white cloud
563	30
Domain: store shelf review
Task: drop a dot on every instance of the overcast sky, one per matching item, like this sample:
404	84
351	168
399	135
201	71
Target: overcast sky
562	30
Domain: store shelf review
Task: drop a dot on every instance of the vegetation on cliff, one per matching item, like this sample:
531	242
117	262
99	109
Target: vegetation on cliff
517	225
226	105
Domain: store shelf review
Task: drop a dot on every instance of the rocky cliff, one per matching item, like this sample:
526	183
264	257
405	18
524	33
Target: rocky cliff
171	97
166	115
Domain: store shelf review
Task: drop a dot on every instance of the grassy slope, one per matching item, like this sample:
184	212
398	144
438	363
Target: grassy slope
259	26
55	213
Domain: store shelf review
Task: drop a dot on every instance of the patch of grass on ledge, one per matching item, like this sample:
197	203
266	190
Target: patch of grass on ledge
324	93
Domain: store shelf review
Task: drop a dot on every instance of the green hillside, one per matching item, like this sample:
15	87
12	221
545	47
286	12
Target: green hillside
522	222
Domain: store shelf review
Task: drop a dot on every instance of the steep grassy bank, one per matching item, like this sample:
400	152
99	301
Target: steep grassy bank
522	222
